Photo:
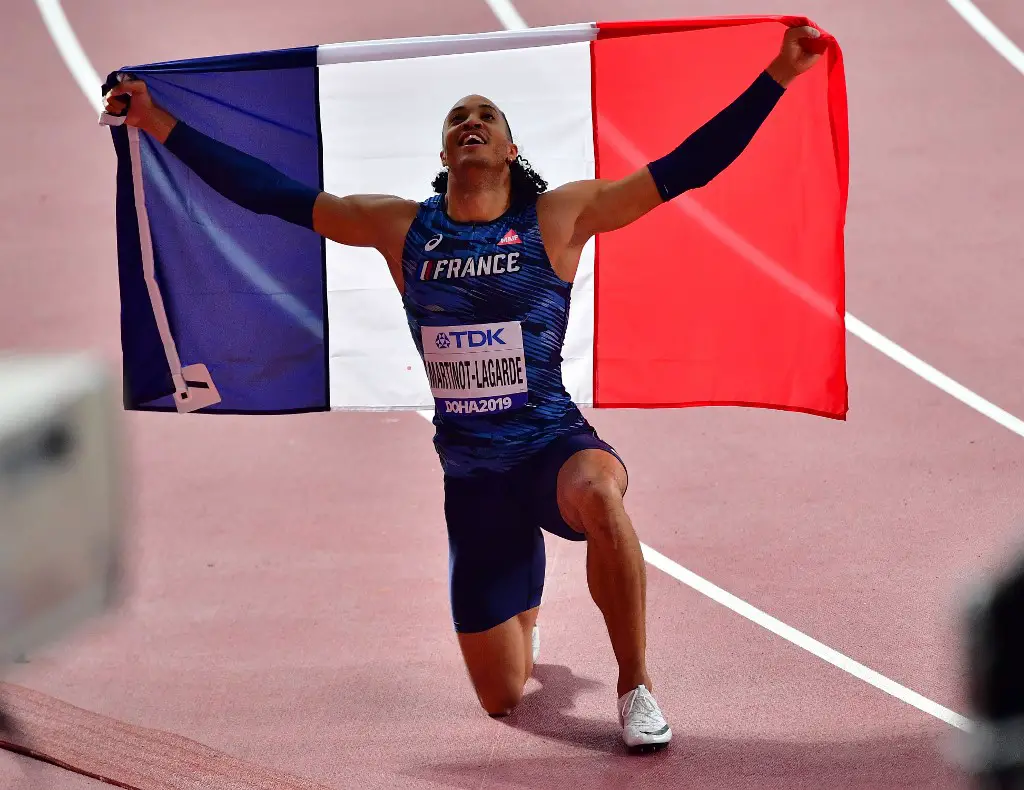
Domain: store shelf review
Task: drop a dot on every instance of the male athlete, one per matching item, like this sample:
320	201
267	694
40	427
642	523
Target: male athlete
492	256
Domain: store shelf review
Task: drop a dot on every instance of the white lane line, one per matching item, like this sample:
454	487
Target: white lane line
755	615
507	14
933	376
985	28
71	50
801	639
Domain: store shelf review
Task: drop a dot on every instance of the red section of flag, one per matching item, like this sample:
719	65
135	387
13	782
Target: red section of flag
733	293
511	237
607	30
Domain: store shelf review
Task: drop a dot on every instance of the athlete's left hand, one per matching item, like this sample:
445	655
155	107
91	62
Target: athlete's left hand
794	56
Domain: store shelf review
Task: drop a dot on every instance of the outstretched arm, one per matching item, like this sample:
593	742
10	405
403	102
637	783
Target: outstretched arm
600	206
355	220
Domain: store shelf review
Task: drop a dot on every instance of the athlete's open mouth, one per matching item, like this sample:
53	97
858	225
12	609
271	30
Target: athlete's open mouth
471	139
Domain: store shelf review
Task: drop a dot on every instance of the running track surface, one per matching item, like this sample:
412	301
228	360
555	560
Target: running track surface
289	603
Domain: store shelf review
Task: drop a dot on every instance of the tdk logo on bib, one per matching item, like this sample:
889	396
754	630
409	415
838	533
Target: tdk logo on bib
477	369
473	338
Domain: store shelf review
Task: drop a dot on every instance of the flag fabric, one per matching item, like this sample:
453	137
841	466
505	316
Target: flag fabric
732	294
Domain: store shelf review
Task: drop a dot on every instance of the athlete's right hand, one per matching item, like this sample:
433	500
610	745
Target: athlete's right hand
143	112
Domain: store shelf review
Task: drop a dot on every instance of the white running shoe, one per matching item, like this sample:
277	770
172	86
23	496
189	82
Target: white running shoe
536	643
644	729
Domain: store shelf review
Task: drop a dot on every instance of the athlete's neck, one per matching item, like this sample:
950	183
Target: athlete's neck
478	197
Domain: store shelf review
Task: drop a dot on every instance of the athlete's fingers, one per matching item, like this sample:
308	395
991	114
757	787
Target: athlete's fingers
808	39
802	40
793	26
113	105
798	34
812	42
130	88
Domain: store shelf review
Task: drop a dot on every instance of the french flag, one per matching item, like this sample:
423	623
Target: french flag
732	294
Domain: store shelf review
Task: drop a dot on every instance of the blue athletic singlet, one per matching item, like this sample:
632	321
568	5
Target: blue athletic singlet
488	316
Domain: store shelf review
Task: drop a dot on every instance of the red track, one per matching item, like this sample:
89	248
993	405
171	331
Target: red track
290	601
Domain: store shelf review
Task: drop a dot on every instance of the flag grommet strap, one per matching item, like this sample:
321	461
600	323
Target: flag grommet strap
193	386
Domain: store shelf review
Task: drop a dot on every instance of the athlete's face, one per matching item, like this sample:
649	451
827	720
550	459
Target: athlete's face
476	134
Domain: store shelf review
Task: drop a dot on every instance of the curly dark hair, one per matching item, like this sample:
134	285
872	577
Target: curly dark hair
526	182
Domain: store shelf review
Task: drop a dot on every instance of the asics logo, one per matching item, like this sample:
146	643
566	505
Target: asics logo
433	242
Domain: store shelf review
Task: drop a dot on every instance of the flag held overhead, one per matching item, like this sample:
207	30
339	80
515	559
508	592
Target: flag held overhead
729	295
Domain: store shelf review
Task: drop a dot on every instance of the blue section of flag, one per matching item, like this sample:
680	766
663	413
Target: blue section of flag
274	59
245	294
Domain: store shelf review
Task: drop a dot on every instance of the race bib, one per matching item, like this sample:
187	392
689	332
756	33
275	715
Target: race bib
477	368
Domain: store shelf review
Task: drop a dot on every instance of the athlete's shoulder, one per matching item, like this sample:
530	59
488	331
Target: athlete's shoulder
573	194
559	209
432	203
428	219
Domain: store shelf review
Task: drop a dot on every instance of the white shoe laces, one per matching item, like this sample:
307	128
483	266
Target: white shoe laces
640	709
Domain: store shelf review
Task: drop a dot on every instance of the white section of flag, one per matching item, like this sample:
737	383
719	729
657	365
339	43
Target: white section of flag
459	43
381	122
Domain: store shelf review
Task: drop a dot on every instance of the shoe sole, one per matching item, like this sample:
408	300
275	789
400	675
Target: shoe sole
648	748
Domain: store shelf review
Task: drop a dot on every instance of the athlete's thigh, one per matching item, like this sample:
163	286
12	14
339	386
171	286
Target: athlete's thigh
567	462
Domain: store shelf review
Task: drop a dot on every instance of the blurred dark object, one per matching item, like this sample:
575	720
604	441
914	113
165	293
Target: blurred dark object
60	514
994	752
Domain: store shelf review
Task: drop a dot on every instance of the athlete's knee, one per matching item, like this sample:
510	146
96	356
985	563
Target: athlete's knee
500	702
596	498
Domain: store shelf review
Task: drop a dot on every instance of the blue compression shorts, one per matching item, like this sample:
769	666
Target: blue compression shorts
496	549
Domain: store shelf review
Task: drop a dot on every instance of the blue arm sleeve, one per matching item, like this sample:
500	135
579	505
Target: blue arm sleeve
241	178
715	145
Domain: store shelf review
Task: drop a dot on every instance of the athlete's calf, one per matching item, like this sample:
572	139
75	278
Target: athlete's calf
591	486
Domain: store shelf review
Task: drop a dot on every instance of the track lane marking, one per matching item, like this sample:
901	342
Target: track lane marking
987	29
